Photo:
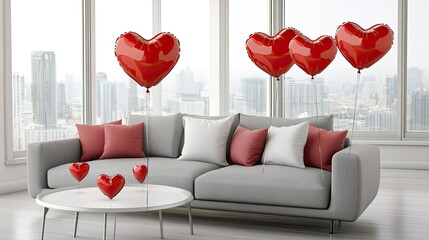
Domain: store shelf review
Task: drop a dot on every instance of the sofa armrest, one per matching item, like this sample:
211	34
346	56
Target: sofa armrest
43	156
355	181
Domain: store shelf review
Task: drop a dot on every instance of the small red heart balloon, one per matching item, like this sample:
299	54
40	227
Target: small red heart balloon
271	53
110	186
79	170
313	56
147	61
363	47
140	172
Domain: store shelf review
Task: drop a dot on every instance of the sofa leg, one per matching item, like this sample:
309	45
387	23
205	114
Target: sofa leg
331	226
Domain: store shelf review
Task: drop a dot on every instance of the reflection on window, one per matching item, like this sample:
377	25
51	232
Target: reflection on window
418	69
46	70
116	93
378	105
247	83
186	87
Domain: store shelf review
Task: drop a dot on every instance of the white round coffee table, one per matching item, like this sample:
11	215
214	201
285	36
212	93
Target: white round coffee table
133	198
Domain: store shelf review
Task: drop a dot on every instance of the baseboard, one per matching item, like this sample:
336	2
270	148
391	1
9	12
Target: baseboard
13	186
405	165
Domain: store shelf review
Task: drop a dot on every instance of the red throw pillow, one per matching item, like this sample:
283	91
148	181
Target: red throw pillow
92	140
330	143
247	146
123	141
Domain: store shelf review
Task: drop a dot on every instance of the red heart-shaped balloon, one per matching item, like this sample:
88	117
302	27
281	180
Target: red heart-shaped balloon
312	56
271	53
140	172
147	61
79	170
363	47
110	186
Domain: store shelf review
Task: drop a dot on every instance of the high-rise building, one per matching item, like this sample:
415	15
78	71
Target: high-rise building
255	95
64	110
414	80
390	91
43	89
133	101
420	110
300	98
380	120
18	96
106	99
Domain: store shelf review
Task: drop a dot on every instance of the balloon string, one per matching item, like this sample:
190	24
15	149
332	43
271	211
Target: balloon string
147	141
354	112
318	124
271	117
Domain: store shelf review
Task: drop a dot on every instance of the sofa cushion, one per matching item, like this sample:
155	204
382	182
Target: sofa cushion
285	145
257	122
319	154
122	141
205	140
231	132
277	185
165	133
163	171
247	146
91	139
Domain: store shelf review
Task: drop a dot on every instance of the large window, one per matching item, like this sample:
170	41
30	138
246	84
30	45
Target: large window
417	93
186	88
46	50
248	85
378	108
116	93
44	78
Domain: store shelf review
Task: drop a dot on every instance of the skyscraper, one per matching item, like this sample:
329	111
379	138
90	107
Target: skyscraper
106	98
299	98
18	96
255	94
420	111
43	89
390	91
133	104
414	80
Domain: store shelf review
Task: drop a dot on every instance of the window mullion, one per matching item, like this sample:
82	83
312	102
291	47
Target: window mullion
276	24
88	67
156	28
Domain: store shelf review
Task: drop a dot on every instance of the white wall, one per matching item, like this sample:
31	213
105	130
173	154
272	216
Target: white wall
406	157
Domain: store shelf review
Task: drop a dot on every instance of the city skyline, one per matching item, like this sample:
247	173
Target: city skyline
45	108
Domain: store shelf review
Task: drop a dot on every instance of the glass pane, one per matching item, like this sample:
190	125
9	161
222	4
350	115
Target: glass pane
248	85
117	93
418	68
46	70
378	105
186	87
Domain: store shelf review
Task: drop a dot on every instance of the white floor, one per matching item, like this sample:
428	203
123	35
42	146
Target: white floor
400	211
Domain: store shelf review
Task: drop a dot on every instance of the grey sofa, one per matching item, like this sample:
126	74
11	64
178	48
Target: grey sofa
340	195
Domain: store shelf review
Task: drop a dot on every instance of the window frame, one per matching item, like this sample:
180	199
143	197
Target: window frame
218	69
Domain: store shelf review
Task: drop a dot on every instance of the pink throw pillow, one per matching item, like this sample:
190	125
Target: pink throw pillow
247	146
91	139
330	143
123	141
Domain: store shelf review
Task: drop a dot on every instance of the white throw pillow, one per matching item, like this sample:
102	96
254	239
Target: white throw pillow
285	145
205	140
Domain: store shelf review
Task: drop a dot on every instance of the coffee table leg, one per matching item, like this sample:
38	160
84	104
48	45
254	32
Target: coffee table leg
45	211
161	224
105	226
191	224
76	219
